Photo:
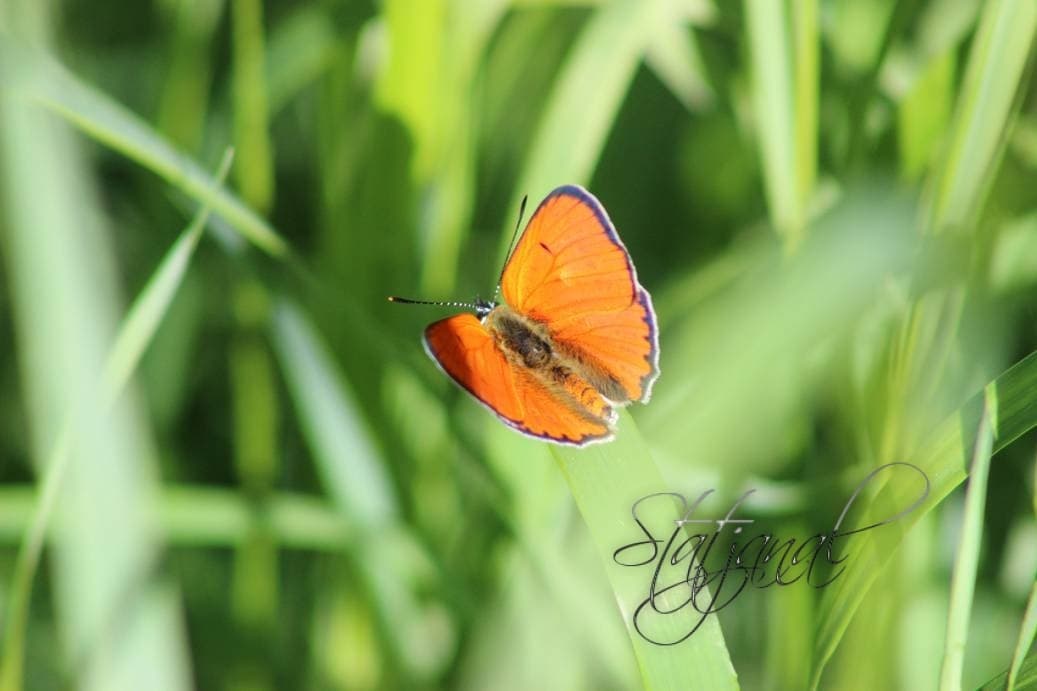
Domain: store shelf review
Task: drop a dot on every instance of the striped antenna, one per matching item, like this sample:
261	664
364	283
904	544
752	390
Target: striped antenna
437	303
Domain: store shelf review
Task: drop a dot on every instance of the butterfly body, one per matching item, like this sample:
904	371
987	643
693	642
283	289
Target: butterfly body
574	338
527	344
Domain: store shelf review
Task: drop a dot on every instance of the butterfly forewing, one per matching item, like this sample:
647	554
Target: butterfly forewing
570	272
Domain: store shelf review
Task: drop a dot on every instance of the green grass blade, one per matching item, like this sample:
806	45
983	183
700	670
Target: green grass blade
1013	261
205	516
255	585
211	517
924	114
184	100
346	454
768	32
605	480
789	632
1027	632
145	316
1028	628
807	71
963	583
986	105
390	560
1024	139
136	332
255	174
47	83
944	459
783	50
1026	680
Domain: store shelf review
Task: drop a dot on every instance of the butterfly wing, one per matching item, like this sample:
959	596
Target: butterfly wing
465	350
571	272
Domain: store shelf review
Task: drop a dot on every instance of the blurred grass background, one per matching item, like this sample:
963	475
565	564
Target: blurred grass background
225	462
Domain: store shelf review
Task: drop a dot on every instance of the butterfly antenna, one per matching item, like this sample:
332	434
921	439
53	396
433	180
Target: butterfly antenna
437	303
511	245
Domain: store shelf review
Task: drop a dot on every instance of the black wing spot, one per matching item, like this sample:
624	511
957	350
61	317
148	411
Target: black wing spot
546	248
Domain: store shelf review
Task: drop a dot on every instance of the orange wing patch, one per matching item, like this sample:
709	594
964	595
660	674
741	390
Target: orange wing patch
466	351
571	273
618	349
566	264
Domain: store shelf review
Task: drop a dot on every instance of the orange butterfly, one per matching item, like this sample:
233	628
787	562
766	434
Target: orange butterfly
574	338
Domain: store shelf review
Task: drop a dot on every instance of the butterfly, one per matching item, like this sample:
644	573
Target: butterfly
574	338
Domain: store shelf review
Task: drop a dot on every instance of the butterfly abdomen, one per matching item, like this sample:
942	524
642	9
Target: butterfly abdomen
527	343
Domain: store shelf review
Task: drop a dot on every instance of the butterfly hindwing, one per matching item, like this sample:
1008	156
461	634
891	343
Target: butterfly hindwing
466	351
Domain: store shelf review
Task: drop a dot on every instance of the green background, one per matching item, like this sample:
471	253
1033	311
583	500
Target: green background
226	463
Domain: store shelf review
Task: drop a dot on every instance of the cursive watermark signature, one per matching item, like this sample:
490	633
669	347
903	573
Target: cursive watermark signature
689	581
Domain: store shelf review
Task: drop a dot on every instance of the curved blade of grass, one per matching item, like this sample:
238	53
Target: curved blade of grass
963	583
1025	680
42	80
606	480
944	459
343	448
389	559
586	98
144	317
137	330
